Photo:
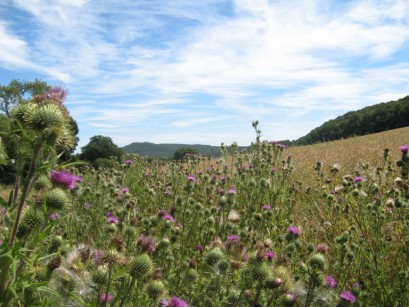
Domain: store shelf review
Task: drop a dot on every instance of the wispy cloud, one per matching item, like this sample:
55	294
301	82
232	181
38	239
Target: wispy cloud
156	62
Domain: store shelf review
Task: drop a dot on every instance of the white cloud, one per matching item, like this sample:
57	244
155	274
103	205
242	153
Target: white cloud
13	50
136	61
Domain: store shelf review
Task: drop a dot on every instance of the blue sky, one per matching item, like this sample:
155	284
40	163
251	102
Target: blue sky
199	72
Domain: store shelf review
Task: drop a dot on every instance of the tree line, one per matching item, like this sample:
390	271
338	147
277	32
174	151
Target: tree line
376	118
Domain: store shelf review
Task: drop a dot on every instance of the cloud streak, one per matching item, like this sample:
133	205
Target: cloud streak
211	64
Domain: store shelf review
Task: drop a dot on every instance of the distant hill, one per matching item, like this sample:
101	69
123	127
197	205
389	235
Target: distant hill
373	119
168	150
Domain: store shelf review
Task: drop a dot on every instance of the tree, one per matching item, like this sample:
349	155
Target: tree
182	152
100	147
19	91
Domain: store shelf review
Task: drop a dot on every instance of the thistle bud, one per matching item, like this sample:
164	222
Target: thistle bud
140	266
46	116
99	276
155	289
214	256
56	199
317	262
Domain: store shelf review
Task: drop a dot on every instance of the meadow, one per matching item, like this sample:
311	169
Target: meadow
317	225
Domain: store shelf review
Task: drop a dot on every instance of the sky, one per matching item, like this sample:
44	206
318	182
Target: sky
200	72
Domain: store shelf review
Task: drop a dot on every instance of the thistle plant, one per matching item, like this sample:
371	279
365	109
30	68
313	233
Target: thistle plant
42	130
403	163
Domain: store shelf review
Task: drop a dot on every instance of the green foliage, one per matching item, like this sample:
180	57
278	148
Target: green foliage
168	150
39	129
104	163
372	119
100	147
181	153
19	91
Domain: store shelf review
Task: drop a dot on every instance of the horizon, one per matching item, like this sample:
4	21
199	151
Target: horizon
201	73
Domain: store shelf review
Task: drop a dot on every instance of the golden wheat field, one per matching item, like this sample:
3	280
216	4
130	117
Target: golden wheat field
348	153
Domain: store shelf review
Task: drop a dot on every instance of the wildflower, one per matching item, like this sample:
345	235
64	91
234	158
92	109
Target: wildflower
129	162
404	148
147	244
57	94
220	191
112	219
347	297
232	190
270	255
199	248
191	178
266	207
163	303
98	254
168	217
105	297
54	216
65	179
358	179
125	190
294	230
331	282
177	302
322	248
233	238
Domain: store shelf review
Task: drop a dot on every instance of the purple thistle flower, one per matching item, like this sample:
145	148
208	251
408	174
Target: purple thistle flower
56	94
266	207
147	244
294	230
191	178
404	148
98	254
233	238
54	216
129	162
220	191
270	255
163	303
358	179
347	296
125	190
177	302
232	190
105	297
112	220
331	282
199	248
65	179
168	217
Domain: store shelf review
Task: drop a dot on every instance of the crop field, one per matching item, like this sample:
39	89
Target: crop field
318	225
